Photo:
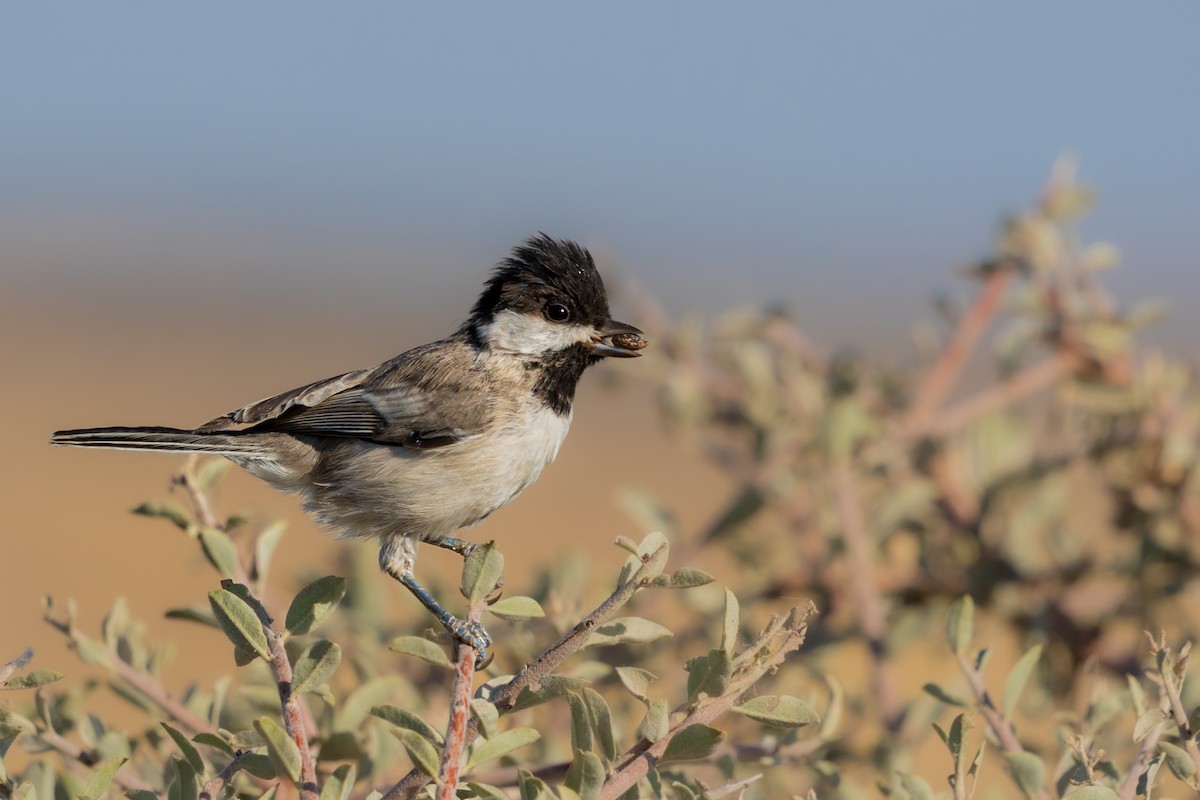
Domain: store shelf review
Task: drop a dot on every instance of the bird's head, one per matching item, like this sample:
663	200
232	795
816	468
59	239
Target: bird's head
546	298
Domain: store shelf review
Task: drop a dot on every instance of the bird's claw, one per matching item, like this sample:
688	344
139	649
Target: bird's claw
474	635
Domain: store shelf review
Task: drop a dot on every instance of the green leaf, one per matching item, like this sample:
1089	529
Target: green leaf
138	794
511	608
358	705
586	776
486	792
403	718
1028	772
187	748
423	755
1014	684
694	741
637	681
653	552
959	625
203	616
421	648
531	786
1146	723
601	718
165	509
259	765
1093	792
1178	761
487	749
627	629
654	724
239	622
220	551
709	674
187	787
341	746
314	603
314	666
264	550
946	697
779	711
101	777
481	572
731	623
683	578
214	741
338	785
488	716
553	686
282	750
581	726
32	680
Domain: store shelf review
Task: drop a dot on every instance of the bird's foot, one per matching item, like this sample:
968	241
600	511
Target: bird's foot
471	633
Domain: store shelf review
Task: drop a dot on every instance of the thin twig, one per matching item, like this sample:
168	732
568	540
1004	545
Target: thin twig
77	753
460	714
144	682
868	600
533	672
782	636
999	726
1146	751
216	786
1024	383
945	372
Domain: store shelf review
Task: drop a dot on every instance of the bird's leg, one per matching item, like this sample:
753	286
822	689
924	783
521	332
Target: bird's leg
397	557
464	549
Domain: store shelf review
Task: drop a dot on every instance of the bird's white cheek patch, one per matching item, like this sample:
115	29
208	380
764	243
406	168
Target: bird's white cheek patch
531	335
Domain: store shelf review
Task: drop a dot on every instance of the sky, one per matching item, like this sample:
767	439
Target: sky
841	157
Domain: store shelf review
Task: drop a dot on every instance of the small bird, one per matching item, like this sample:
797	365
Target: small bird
437	438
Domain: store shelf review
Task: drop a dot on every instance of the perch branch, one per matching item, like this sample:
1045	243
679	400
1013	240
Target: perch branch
460	714
533	672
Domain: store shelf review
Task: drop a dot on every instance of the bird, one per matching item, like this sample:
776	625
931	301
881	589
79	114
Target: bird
437	438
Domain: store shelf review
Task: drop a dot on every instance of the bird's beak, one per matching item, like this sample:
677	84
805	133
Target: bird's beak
619	340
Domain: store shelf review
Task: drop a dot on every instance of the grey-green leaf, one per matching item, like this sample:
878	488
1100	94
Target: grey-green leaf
946	697
187	787
186	747
512	608
167	510
421	752
601	718
654	724
259	765
1014	684
31	680
1178	761
1028	771
403	718
481	572
1146	723
101	777
959	625
214	741
315	665
239	622
314	603
282	750
587	775
731	623
338	785
581	726
627	629
694	741
779	711
421	648
637	681
683	578
506	742
220	551
1095	791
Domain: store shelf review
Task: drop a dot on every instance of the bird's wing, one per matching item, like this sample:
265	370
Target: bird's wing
417	400
273	407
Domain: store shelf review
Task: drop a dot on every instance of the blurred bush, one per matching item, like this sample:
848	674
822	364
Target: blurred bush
985	554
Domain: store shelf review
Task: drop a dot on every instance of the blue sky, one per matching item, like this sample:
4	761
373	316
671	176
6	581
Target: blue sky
720	153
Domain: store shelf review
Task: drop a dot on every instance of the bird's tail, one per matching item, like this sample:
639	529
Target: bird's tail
167	440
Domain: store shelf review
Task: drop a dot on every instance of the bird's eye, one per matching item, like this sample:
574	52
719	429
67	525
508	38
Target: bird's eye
557	312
